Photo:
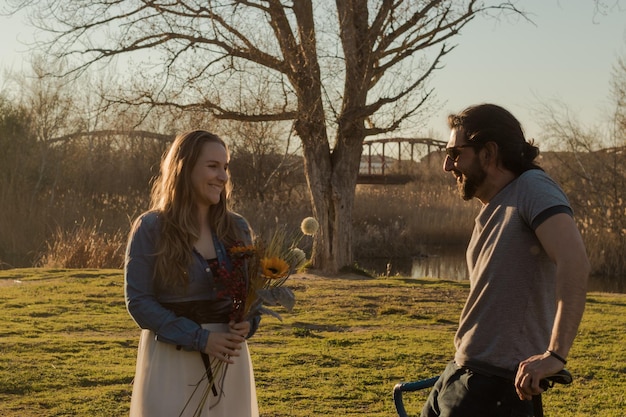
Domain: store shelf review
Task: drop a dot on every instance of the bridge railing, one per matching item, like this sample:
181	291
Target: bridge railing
380	155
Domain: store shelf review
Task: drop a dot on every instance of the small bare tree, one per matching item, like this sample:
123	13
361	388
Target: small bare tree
339	73
588	162
618	91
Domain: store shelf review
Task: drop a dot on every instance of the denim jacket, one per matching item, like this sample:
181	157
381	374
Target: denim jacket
144	303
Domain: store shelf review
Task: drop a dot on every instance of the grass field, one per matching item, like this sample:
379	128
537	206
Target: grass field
68	346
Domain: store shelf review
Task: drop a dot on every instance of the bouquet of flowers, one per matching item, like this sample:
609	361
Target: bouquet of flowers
267	267
255	282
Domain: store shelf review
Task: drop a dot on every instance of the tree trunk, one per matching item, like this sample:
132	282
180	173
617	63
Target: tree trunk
331	178
332	195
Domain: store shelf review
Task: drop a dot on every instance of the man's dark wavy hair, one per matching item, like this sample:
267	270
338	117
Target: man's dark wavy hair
484	123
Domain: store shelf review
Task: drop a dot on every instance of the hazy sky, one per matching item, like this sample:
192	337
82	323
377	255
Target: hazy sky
566	56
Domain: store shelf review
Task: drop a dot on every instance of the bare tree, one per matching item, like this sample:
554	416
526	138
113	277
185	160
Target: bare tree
588	162
52	111
339	73
604	7
618	91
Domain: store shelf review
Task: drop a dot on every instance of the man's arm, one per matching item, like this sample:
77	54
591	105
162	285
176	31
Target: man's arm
561	240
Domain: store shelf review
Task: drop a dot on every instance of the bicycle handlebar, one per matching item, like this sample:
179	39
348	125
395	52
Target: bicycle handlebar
561	377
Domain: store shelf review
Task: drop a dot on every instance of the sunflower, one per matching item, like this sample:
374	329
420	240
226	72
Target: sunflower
274	268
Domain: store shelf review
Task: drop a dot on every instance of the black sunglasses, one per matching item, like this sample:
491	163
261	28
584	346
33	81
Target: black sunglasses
454	152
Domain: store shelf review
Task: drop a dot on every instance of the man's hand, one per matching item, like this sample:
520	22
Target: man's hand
533	370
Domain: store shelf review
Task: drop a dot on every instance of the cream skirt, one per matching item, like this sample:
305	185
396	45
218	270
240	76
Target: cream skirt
171	383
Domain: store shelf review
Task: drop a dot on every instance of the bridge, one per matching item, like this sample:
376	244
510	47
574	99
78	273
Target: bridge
390	161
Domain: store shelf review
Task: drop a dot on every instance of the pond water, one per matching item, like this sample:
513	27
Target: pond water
452	266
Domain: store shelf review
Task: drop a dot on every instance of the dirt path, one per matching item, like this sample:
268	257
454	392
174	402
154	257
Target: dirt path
10	282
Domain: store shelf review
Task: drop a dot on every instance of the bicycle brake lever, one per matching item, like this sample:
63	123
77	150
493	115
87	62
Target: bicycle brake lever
561	377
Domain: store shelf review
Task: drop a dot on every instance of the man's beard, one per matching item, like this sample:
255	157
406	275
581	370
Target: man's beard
470	181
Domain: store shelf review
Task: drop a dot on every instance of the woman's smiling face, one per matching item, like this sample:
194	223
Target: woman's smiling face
210	174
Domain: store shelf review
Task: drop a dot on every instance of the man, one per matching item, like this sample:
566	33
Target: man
528	272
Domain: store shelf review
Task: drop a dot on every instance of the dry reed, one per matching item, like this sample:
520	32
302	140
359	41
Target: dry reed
84	247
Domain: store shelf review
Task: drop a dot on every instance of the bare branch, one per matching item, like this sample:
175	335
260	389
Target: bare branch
106	133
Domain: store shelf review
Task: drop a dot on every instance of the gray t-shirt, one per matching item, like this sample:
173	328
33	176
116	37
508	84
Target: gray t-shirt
510	309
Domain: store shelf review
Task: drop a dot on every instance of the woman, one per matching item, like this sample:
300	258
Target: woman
176	286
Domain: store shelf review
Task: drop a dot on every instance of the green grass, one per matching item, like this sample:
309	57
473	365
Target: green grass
68	347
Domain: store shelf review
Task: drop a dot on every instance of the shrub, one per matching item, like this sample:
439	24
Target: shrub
84	247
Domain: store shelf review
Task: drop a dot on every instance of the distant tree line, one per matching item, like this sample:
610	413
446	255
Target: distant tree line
55	184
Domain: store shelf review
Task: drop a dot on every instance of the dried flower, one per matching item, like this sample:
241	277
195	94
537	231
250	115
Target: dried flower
296	258
309	226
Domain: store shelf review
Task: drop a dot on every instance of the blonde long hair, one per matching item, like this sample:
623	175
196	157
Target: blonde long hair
173	198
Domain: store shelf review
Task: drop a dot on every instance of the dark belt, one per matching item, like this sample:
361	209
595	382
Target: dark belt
202	311
489	370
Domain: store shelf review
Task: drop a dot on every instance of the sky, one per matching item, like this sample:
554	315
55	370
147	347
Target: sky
564	58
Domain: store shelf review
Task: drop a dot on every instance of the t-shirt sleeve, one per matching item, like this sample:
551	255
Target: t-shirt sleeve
540	198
